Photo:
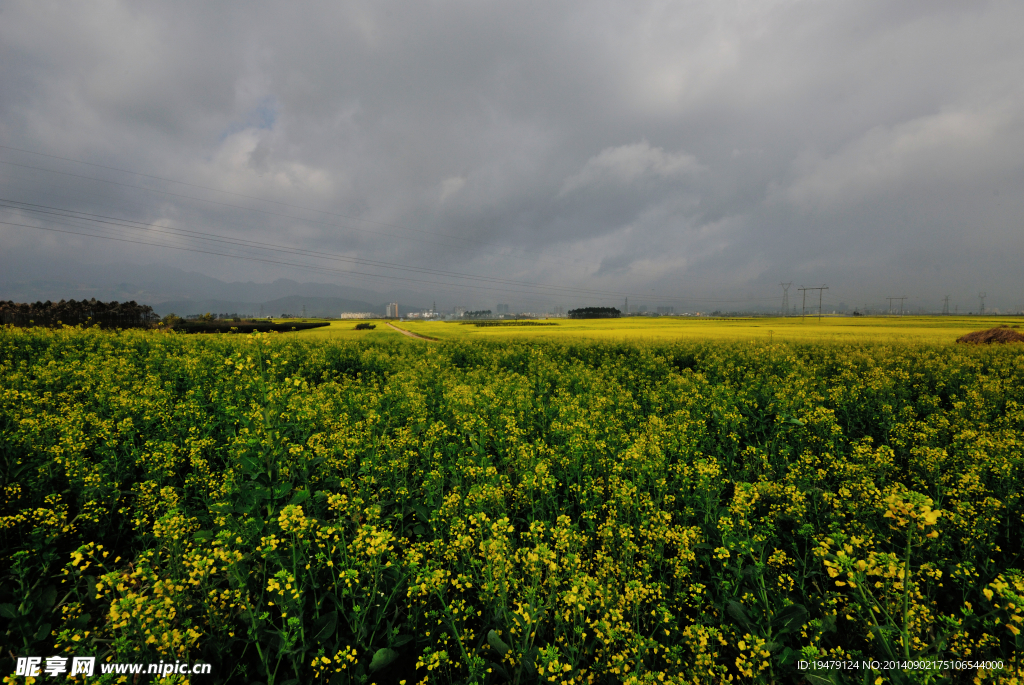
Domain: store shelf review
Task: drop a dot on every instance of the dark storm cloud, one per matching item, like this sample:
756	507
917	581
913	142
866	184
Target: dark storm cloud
692	149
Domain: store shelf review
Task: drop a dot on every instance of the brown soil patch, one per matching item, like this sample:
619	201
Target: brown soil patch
1003	334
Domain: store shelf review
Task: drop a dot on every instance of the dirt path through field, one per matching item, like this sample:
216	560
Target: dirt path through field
410	333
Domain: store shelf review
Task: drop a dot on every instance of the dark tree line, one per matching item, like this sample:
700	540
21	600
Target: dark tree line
594	313
71	312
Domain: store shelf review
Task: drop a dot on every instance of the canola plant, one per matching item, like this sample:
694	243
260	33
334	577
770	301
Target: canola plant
297	511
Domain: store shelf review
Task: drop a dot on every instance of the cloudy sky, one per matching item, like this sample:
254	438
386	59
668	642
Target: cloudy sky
687	153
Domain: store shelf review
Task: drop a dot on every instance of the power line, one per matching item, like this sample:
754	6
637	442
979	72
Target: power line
277	214
178	232
237	194
262	260
56	216
253	244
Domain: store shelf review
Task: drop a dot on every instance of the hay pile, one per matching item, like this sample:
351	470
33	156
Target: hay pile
1002	334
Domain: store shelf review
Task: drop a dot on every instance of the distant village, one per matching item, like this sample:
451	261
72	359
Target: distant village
502	311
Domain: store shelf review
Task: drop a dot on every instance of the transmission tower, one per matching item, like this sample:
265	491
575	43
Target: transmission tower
785	298
901	304
945	306
981	299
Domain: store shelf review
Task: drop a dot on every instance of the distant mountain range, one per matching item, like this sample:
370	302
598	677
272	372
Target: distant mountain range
168	290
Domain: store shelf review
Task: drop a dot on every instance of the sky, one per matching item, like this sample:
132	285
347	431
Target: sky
690	153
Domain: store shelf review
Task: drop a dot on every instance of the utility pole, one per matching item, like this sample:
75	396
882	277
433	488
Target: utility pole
627	306
803	305
785	297
945	306
820	290
981	299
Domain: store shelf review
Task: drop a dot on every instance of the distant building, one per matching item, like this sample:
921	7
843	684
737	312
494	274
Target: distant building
391	311
357	315
459	311
666	310
503	309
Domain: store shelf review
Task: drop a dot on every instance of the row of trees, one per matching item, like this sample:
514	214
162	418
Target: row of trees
594	313
115	314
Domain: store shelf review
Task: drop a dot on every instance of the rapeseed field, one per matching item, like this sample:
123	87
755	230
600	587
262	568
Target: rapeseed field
830	329
512	511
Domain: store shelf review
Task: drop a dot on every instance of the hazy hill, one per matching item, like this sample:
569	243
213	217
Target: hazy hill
292	305
168	289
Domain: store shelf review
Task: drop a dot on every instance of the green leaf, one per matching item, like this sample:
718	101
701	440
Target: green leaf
202	535
325	626
505	676
739	614
422	512
8	611
789	619
382	658
822	678
494	640
828	624
529	659
43	631
250	464
299	497
49	598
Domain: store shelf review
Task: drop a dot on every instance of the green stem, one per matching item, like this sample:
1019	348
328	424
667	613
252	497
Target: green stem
906	598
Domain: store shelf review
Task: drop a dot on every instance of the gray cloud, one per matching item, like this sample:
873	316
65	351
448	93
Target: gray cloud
685	151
